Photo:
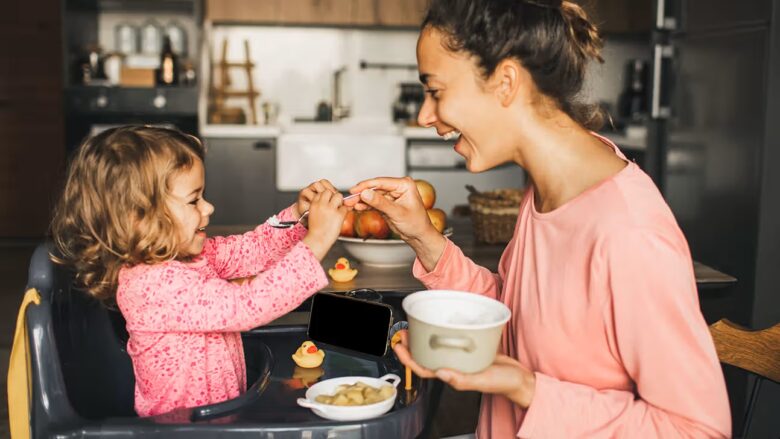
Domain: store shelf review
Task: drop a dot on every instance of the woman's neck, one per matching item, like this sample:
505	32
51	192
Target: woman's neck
562	158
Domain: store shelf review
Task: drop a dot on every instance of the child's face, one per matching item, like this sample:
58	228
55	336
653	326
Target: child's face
190	210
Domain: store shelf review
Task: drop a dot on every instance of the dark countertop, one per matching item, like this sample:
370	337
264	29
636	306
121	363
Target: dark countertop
486	255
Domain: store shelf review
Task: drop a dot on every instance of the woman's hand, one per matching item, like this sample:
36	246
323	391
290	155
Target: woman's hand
400	203
506	376
307	194
326	214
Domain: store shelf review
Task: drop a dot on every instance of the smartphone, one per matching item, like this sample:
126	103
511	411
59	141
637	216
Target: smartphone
354	324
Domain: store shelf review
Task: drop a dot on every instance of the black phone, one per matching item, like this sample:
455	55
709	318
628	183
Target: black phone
354	324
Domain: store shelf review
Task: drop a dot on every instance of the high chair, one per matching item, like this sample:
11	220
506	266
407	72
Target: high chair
757	352
81	381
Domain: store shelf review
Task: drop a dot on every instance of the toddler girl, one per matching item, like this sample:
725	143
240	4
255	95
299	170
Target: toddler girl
131	223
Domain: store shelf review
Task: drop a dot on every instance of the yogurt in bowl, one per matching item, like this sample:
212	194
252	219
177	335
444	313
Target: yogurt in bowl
454	329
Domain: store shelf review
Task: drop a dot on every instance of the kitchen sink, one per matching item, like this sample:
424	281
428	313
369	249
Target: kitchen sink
343	152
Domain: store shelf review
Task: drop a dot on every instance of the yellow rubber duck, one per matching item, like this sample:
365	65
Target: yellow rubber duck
341	272
308	355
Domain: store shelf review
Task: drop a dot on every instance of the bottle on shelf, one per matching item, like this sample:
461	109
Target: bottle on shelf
168	72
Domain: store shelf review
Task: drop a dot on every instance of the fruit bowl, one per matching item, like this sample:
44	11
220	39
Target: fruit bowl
381	252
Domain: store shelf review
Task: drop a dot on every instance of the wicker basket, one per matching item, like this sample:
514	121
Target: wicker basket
494	214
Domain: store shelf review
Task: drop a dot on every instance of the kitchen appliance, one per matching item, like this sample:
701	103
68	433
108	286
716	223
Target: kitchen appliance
632	103
408	104
714	139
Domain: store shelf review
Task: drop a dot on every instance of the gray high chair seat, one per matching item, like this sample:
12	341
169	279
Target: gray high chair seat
83	383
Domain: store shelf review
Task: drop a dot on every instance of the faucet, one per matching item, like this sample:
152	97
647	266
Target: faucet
340	111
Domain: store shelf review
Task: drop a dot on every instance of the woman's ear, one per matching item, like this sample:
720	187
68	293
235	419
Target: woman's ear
509	77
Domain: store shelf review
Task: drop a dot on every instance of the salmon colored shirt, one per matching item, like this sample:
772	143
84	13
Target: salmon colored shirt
185	318
605	312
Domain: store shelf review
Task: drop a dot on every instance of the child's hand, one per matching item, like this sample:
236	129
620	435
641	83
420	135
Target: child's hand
326	214
306	195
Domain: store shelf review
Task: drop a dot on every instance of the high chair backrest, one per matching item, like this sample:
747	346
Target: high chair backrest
757	352
80	365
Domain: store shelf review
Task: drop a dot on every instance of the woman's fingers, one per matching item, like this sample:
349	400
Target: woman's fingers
404	356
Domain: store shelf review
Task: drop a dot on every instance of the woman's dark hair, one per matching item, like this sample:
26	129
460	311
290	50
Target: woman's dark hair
552	39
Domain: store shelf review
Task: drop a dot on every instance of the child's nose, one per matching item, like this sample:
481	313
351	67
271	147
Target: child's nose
207	209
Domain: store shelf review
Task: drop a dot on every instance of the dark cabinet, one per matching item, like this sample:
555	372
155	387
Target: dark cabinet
240	180
620	16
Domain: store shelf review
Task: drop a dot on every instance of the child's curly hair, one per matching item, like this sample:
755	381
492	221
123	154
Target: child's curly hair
112	212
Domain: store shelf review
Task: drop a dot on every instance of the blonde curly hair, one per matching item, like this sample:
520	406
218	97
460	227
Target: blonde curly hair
112	212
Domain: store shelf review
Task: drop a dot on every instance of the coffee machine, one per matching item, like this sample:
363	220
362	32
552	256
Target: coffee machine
408	103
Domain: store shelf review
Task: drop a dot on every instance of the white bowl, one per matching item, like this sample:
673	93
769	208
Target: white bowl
381	252
454	329
349	413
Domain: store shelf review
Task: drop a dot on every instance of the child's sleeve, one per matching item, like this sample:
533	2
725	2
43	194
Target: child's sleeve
248	254
455	271
660	336
181	299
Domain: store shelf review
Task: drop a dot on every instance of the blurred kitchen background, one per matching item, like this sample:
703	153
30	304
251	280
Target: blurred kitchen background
287	91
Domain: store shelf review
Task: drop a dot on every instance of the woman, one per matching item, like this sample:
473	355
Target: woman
606	337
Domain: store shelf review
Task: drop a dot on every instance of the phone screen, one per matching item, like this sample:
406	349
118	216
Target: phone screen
354	324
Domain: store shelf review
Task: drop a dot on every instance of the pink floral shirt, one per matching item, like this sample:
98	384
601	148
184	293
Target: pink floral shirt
185	318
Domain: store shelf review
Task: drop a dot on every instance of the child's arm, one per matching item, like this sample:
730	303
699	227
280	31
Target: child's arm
182	299
248	254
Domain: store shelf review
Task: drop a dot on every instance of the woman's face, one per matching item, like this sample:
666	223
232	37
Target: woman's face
190	210
460	104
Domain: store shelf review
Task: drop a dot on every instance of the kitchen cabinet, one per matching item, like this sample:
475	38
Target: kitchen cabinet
620	16
31	116
391	13
240	180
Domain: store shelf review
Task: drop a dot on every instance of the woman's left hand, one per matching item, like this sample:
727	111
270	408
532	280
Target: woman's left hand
307	195
506	376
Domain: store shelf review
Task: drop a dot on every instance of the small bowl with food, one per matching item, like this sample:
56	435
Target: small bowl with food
352	398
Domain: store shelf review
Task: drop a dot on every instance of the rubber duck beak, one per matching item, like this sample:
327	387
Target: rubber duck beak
311	349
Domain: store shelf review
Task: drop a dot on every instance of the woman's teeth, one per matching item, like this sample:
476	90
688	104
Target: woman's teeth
451	135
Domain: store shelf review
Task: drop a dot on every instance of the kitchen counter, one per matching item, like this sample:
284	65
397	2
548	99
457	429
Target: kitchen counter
486	255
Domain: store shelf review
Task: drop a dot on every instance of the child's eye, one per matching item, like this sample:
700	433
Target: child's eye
195	201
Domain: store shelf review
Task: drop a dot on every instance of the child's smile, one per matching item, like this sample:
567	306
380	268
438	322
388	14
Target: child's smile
190	210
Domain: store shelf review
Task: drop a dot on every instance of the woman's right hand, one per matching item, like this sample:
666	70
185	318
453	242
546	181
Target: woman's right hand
326	214
400	203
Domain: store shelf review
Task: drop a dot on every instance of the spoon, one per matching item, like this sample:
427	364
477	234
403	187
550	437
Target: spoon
275	223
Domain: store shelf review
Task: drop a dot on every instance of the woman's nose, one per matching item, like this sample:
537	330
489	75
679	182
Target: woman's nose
427	115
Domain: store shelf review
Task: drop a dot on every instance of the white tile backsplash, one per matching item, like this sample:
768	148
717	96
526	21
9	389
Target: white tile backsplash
295	66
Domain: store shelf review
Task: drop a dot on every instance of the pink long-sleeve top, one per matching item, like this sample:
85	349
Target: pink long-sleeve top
185	318
605	312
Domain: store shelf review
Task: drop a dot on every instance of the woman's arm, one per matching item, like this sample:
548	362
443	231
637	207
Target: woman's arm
660	336
455	271
181	299
248	254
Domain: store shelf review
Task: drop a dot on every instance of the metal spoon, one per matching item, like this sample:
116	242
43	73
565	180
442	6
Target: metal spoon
287	224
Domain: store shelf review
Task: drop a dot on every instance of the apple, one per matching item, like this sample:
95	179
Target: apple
427	193
438	218
370	224
348	226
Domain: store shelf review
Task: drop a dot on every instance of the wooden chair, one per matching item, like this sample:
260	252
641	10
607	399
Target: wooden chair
757	352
